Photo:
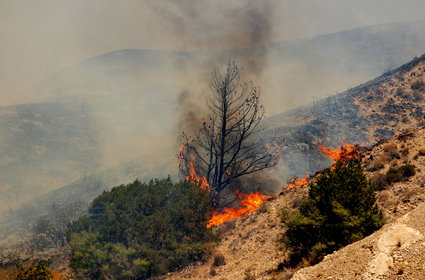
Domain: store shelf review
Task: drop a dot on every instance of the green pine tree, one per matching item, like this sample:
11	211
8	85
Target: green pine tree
340	209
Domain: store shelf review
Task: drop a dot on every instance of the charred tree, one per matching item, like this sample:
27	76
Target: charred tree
226	146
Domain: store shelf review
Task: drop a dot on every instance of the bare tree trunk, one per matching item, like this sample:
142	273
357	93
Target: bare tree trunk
227	145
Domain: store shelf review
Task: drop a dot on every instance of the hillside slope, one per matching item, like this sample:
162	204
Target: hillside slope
377	109
43	147
396	250
250	245
103	108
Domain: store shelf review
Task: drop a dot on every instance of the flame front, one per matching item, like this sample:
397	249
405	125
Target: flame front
298	183
195	179
346	151
252	202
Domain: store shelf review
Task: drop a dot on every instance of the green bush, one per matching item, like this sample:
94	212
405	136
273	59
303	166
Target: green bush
139	230
37	271
397	174
381	181
339	209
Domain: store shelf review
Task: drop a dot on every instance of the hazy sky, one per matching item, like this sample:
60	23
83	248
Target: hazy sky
41	37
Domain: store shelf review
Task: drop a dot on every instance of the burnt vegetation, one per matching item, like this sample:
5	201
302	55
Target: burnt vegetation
227	147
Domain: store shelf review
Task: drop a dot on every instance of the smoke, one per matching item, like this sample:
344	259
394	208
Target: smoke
144	100
222	25
44	37
209	25
190	113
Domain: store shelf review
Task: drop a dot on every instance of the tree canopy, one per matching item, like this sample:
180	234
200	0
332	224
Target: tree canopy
340	209
138	230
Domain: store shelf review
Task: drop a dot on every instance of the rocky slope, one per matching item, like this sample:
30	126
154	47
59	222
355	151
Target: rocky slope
377	109
396	250
251	249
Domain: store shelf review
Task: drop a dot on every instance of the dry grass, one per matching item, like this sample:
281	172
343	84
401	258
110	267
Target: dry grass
417	85
249	276
9	273
387	200
379	182
390	152
408	193
213	272
287	274
405	152
219	260
376	164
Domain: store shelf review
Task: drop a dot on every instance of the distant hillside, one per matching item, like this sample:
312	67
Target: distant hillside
379	108
117	107
76	196
44	146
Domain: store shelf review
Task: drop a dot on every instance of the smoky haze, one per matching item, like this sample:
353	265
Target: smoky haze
43	37
141	69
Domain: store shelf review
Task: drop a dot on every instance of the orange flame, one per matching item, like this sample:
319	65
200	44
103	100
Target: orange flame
181	150
346	151
195	179
252	202
298	183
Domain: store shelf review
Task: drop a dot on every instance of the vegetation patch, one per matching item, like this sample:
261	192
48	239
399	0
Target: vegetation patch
139	230
401	173
395	174
37	271
340	208
390	152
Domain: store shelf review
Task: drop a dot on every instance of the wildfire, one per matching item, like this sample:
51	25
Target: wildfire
252	202
297	183
195	179
346	151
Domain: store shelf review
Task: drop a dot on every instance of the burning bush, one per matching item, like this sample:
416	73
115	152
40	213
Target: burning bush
138	230
340	209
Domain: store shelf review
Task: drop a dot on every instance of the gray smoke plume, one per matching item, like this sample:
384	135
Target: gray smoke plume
247	24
